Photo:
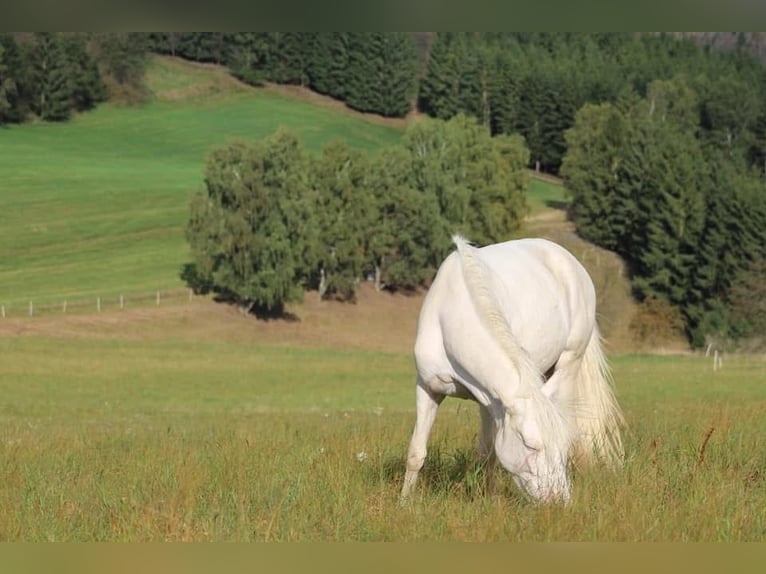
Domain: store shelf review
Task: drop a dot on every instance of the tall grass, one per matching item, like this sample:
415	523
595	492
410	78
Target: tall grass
184	440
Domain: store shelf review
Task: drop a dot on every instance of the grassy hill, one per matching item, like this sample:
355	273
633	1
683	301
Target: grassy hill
98	205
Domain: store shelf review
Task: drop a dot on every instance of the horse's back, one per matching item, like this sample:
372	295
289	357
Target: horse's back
542	290
547	295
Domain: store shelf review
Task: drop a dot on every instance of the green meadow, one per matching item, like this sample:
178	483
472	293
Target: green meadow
137	440
544	195
98	205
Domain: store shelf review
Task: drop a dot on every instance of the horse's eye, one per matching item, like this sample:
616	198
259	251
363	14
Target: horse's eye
534	445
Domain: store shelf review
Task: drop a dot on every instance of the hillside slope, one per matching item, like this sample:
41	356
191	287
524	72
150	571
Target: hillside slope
113	233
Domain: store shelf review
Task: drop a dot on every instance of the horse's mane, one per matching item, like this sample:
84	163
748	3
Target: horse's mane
478	279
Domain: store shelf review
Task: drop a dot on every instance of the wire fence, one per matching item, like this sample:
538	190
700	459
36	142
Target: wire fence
82	304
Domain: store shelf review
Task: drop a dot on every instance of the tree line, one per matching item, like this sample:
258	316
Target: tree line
274	221
513	82
662	145
51	75
677	200
661	142
370	72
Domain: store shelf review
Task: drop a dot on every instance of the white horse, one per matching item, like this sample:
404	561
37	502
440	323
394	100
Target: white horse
498	321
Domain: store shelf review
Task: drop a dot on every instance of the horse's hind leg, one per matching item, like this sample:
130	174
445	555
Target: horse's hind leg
426	405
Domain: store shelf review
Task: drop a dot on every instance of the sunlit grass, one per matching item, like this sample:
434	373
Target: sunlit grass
543	195
194	440
98	205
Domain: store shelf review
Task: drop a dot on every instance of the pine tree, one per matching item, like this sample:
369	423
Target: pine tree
122	59
246	56
85	85
12	81
438	94
7	88
504	93
398	75
329	64
49	77
596	148
287	58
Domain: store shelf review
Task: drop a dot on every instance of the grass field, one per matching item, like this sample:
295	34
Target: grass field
544	194
196	423
97	206
167	442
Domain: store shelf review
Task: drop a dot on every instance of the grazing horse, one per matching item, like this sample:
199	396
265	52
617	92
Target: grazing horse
512	326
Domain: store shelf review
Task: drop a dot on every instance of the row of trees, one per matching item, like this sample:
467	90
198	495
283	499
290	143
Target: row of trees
51	75
534	83
371	72
676	199
527	83
274	221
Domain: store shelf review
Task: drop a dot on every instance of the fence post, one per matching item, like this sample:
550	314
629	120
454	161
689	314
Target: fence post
122	302
31	309
98	304
158	297
63	307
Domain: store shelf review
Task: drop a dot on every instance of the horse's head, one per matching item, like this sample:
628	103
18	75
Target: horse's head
533	446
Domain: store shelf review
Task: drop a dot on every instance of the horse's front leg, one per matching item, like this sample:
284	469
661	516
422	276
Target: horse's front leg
426	404
487	446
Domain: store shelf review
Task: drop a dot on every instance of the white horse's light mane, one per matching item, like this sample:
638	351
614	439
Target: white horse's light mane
477	277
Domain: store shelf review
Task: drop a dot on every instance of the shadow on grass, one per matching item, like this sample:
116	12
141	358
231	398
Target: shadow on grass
557	204
447	473
201	286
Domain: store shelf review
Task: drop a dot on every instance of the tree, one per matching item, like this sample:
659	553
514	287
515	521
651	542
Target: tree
478	182
12	80
729	112
407	238
381	73
596	146
748	301
670	211
49	77
7	88
436	92
246	56
85	85
344	205
504	93
122	61
328	71
253	234
287	58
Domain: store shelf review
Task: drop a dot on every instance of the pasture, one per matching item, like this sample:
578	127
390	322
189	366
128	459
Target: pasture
196	423
98	205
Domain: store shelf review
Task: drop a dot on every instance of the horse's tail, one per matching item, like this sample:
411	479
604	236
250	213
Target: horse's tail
597	414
